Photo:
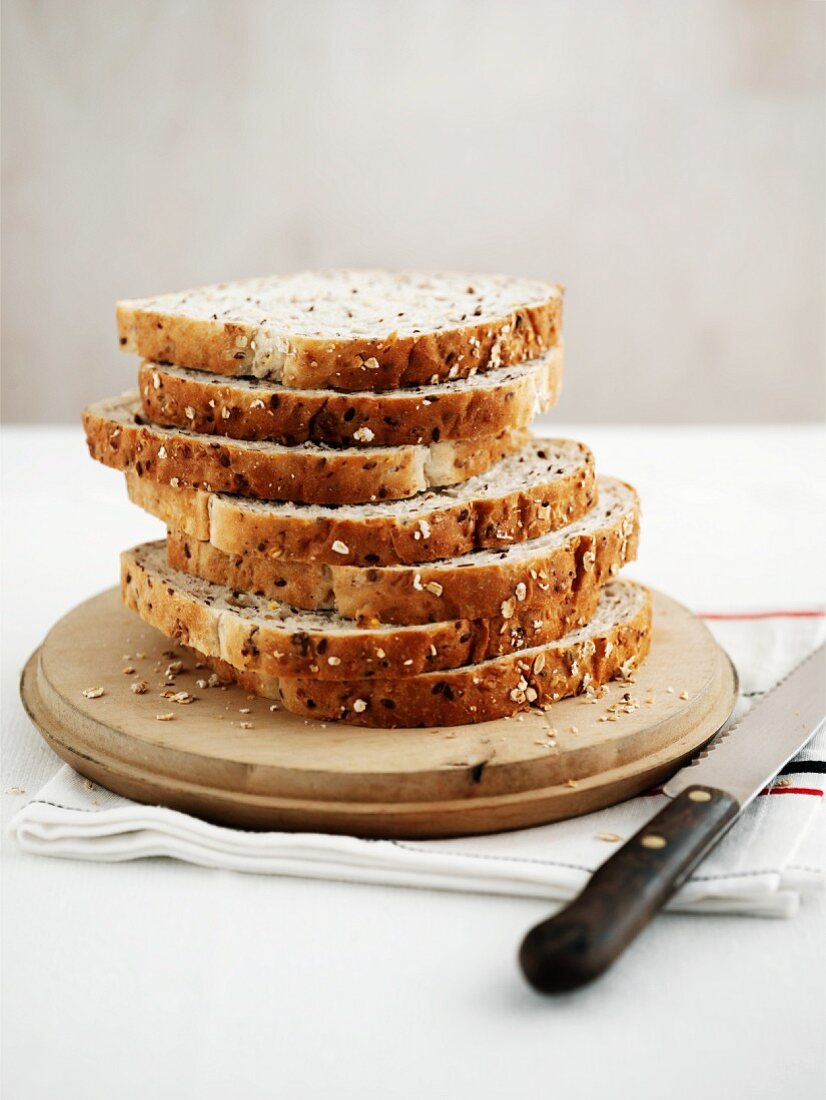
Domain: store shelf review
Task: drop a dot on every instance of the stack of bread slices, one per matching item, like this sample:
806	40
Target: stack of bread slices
360	524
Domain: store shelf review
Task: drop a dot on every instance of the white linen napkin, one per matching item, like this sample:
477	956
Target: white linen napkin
760	868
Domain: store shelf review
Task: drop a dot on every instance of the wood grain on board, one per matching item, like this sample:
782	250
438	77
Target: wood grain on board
229	758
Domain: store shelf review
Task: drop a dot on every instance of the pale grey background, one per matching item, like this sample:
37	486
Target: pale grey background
662	158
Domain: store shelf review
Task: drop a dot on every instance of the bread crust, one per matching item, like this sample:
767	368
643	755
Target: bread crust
215	623
343	363
458	587
452	527
308	474
187	510
480	693
262	410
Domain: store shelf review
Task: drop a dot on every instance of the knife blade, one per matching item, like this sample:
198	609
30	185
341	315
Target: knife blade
581	941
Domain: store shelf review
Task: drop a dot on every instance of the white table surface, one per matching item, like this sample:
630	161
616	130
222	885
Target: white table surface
164	980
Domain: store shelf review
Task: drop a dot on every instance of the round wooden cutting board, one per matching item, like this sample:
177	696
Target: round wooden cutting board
229	758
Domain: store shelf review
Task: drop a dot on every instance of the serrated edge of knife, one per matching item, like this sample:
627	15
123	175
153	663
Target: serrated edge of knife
726	731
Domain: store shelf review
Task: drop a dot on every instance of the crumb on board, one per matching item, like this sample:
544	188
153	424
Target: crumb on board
93	693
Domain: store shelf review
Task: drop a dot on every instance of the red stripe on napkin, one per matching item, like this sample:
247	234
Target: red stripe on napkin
794	790
809	613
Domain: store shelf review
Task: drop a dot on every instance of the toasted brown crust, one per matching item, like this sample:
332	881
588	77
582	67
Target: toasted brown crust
161	597
310	475
566	592
345	364
262	410
462	696
423	594
455	527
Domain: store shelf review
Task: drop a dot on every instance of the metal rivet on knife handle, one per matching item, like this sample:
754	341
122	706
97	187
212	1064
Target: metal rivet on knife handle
651	840
699	796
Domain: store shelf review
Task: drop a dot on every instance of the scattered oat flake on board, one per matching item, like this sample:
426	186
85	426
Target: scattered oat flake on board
165	717
89	785
612	837
16	790
93	693
139	687
571	783
246	725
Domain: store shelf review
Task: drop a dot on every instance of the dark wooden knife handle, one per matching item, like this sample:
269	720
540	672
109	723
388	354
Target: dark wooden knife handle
582	940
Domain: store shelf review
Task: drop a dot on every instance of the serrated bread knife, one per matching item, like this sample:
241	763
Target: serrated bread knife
582	940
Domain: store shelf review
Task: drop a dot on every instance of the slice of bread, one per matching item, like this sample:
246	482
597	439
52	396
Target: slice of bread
348	330
613	644
546	485
252	632
528	575
249	408
118	436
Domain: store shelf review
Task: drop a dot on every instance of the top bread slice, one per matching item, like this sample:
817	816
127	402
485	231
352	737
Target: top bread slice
348	330
118	436
546	485
504	399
